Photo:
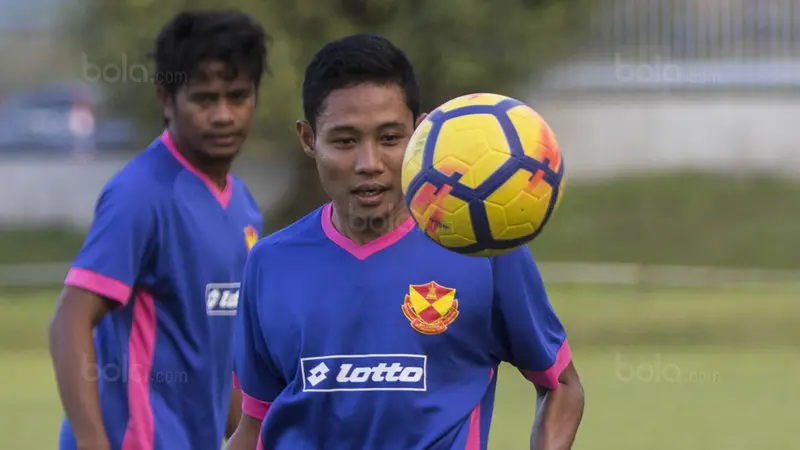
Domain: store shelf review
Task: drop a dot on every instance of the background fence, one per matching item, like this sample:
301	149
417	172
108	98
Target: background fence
697	29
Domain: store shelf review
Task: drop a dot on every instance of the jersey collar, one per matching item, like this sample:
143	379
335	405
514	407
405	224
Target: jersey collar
363	252
223	196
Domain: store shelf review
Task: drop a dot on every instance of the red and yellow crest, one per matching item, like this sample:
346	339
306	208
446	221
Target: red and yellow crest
250	237
430	307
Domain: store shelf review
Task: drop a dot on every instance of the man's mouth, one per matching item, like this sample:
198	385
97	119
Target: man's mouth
370	194
224	139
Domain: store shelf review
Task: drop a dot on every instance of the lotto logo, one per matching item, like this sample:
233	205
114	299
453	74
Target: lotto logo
364	373
222	299
318	374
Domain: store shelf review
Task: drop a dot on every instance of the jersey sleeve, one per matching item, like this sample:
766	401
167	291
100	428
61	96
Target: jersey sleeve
120	239
255	375
529	332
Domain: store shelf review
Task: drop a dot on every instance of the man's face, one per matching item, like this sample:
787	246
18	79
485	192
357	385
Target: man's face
361	137
211	114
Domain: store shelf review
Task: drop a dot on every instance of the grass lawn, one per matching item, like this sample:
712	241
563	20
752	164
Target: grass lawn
679	218
663	369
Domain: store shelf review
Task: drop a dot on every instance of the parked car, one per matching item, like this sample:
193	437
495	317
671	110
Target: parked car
61	118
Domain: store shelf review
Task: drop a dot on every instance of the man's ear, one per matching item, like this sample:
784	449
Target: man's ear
420	119
167	103
305	134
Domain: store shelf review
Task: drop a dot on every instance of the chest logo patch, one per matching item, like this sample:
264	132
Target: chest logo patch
250	237
222	299
430	307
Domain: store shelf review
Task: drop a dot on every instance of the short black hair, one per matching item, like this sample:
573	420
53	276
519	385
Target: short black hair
192	38
356	59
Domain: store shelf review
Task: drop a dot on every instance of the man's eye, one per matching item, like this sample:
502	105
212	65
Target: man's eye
203	97
239	95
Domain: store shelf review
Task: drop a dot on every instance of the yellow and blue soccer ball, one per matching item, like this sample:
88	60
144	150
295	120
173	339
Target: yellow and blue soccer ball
483	174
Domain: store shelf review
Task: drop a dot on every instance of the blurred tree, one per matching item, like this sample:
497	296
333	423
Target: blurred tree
457	46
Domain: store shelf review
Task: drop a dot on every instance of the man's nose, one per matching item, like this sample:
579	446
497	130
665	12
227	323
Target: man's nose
222	114
369	159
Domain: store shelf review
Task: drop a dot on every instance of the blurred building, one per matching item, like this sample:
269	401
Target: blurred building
32	47
665	84
30	14
653	85
696	29
58	143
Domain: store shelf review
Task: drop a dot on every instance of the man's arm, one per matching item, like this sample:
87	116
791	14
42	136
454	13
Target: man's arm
75	363
100	279
247	434
532	338
234	412
256	375
558	412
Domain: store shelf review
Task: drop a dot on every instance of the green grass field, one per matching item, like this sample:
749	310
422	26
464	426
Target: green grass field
679	218
663	369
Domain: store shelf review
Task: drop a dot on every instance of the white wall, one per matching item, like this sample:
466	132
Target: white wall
64	190
606	134
600	135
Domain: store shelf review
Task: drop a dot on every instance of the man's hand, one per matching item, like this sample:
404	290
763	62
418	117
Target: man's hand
558	413
99	443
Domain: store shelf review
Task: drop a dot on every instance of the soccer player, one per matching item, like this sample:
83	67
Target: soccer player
359	332
157	280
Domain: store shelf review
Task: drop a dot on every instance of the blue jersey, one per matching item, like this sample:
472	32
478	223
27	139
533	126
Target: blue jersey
391	345
169	247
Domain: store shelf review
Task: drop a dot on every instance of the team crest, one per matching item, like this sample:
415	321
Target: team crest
250	237
430	307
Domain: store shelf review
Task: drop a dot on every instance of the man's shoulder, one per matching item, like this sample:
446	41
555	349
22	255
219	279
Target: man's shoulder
305	233
130	185
146	178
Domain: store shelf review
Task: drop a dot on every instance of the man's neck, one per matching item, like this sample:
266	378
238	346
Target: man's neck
216	171
371	229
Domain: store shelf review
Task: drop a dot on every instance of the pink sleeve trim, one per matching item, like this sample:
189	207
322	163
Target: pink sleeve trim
257	409
99	284
549	378
236	384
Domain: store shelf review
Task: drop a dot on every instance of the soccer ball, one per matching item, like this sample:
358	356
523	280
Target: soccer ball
482	174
